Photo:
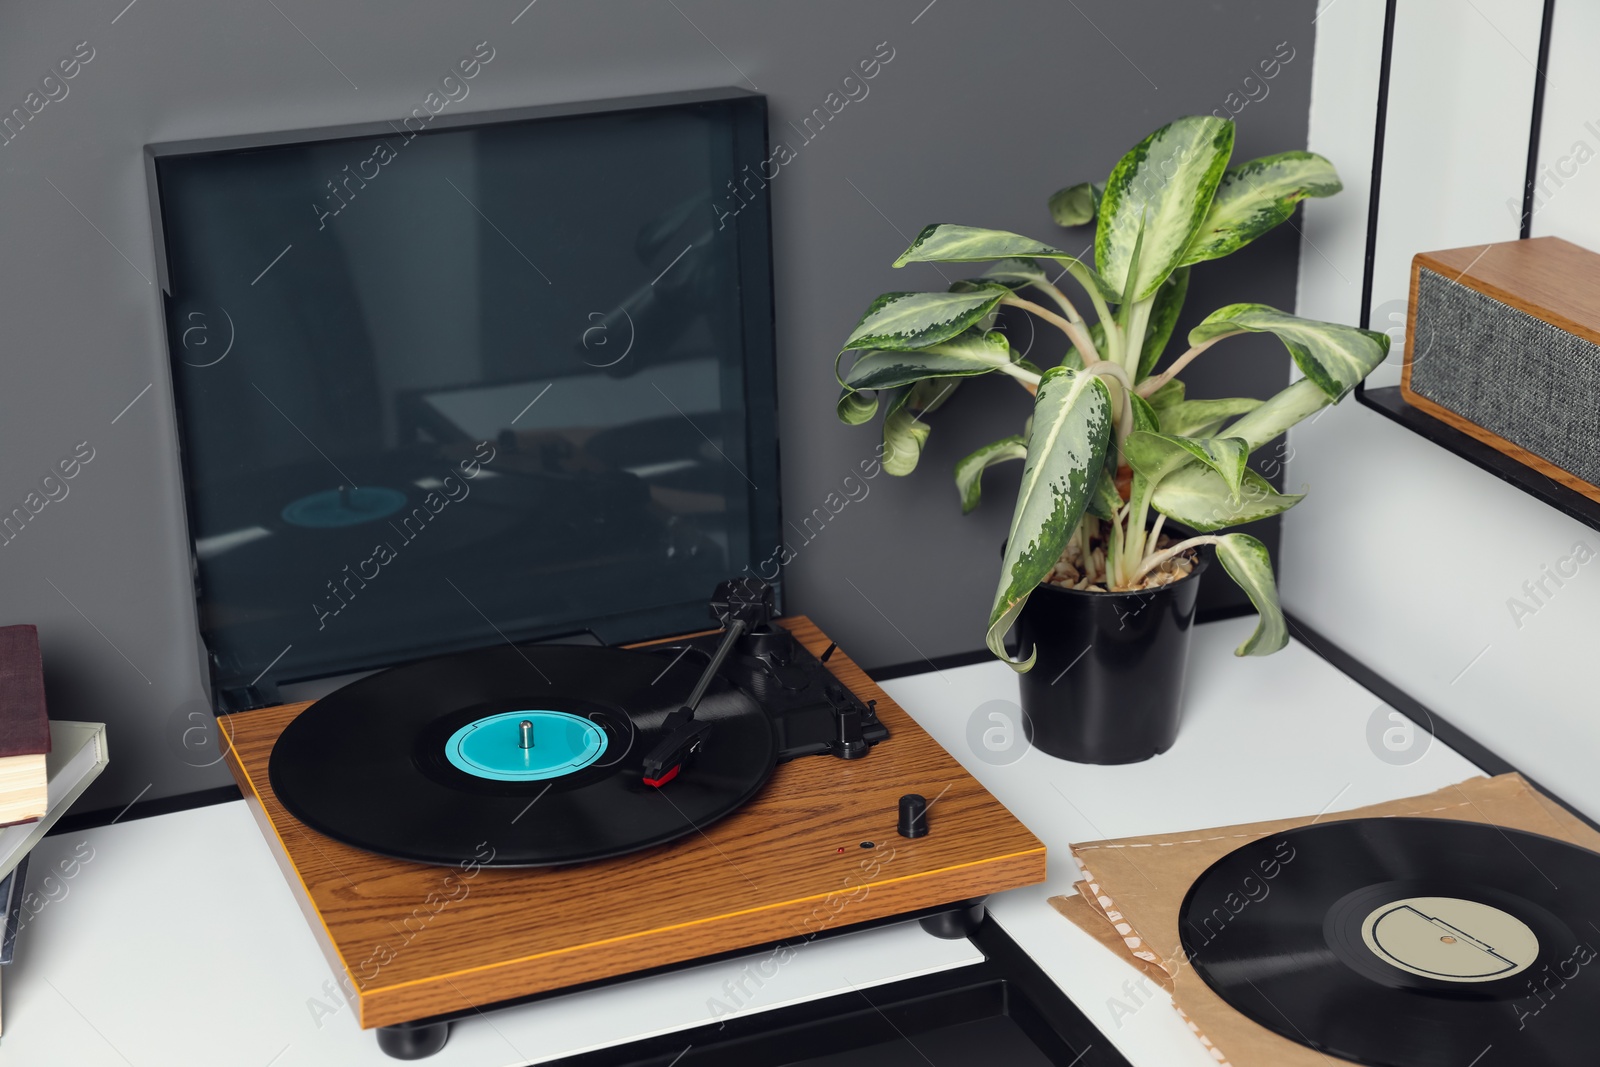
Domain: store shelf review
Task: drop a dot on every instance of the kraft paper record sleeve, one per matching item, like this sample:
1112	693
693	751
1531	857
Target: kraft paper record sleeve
1133	891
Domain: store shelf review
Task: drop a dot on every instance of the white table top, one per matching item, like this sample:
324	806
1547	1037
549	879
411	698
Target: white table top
179	942
1262	738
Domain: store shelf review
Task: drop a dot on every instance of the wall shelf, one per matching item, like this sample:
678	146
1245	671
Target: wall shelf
1388	402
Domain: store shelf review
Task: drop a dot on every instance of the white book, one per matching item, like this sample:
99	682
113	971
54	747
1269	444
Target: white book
77	756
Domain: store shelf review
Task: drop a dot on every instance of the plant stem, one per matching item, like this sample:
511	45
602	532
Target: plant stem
1113	334
1021	374
1107	369
1157	559
1102	310
1138	321
1060	298
1138	509
1114	546
1156	381
1072	319
1074	330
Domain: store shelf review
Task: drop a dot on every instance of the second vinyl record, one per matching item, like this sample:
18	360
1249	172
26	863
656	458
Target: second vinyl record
1407	942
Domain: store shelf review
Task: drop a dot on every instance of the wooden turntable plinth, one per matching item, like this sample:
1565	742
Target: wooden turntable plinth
411	941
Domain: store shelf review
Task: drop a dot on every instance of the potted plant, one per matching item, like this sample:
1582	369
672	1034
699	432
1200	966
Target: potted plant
1100	588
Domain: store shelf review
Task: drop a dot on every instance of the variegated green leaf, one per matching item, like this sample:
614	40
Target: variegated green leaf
904	431
1247	563
1163	319
972	285
1156	455
856	408
1105	500
930	396
945	242
1144	416
1203	418
1066	450
1076	204
1164	186
1128	304
1197	496
902	321
904	434
973	352
1294	402
949	243
1335	357
1015	272
1170	393
1256	196
969	470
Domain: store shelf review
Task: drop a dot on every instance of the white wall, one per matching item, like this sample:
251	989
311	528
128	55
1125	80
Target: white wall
1404	554
1568	199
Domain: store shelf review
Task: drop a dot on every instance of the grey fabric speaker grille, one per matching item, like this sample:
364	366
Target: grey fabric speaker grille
1517	376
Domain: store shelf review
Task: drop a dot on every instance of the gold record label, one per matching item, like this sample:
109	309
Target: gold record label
1451	939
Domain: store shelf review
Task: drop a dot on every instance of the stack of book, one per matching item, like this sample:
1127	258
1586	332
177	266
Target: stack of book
44	767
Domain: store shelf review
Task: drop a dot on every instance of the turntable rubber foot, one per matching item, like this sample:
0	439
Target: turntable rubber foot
413	1041
962	920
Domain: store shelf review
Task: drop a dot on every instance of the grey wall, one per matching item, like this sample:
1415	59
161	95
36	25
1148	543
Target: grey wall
982	112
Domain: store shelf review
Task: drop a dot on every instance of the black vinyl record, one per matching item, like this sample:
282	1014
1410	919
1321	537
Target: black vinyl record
422	763
1407	942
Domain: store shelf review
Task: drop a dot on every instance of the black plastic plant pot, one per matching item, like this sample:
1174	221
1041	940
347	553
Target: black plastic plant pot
1108	684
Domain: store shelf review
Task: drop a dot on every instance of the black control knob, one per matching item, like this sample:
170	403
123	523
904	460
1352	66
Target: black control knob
913	815
851	742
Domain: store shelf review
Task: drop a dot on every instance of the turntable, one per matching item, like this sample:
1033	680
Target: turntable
445	867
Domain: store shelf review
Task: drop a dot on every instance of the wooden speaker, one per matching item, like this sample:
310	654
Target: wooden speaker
1504	344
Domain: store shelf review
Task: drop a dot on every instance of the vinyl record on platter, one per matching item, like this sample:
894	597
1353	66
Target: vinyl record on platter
425	762
1407	942
312	496
296	505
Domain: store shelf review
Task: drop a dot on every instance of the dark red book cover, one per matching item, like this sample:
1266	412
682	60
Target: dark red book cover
24	724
